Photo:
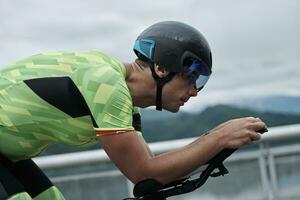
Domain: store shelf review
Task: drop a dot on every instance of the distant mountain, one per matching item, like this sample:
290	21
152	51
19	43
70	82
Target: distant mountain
275	104
194	124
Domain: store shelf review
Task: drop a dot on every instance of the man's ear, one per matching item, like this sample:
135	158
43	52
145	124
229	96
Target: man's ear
160	71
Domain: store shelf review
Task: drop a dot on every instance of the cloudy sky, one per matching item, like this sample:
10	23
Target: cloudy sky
255	43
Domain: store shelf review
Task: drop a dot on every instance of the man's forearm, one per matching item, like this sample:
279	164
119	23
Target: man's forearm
180	162
131	155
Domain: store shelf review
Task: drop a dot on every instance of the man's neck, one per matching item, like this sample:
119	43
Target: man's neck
141	85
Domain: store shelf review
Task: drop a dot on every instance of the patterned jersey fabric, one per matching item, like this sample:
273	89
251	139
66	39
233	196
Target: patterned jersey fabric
62	97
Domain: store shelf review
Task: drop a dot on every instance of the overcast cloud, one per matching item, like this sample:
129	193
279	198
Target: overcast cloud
255	43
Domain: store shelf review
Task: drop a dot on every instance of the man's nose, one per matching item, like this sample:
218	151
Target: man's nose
193	91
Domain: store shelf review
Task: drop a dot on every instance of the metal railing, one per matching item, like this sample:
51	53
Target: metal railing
265	155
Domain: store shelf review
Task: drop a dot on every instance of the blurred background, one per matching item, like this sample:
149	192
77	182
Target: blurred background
255	44
255	47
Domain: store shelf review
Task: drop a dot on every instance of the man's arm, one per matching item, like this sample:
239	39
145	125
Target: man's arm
130	153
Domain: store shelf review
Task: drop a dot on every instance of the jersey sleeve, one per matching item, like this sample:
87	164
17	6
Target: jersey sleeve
114	115
109	101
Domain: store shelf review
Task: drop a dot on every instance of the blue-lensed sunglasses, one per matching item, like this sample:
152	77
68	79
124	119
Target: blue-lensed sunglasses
197	72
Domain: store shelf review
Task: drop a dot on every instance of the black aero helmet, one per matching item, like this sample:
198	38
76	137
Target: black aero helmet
174	46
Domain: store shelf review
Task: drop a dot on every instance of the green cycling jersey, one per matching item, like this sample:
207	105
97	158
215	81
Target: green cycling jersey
62	97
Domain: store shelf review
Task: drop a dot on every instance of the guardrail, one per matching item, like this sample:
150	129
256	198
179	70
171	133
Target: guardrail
288	132
265	155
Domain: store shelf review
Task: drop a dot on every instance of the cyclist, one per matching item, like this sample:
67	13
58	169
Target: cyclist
81	98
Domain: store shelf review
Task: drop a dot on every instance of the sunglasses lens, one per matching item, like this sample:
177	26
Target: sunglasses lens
201	81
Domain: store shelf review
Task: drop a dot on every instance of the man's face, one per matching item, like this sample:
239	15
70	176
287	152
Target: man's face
177	92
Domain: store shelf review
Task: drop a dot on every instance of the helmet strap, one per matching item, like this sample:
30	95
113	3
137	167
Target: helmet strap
160	82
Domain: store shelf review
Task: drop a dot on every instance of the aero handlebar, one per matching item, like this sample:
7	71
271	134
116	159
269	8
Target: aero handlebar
150	189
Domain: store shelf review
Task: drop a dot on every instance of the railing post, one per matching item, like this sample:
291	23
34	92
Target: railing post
273	174
130	187
264	172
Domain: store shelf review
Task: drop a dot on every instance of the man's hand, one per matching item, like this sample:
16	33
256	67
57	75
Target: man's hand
239	132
